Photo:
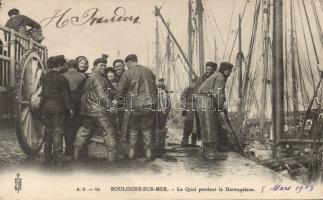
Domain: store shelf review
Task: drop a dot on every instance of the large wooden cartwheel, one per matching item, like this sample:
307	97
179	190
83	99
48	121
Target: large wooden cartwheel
30	128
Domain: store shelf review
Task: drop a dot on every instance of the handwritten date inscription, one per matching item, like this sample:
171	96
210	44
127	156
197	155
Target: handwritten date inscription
91	16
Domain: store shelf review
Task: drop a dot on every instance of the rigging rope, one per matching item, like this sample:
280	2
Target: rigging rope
217	26
317	22
235	39
306	45
226	43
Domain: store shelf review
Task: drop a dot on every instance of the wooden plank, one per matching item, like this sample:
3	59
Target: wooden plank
299	141
12	72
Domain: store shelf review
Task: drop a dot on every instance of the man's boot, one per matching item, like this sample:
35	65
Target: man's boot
131	153
112	152
48	154
77	153
149	154
112	156
184	141
194	139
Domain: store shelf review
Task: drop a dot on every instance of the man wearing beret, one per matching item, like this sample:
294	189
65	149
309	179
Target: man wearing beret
209	104
76	82
56	104
139	86
95	105
20	22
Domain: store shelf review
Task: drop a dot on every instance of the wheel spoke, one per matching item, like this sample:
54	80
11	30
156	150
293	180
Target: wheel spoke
24	114
32	128
26	127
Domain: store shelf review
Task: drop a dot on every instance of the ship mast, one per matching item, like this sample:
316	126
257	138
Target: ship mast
157	53
199	7
190	36
169	61
277	73
265	70
293	60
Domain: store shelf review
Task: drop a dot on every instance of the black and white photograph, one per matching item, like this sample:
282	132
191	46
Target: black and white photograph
161	99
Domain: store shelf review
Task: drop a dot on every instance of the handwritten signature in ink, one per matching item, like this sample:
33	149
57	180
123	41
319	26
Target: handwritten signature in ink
90	16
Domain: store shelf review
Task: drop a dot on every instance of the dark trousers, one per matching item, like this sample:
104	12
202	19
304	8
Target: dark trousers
90	125
71	127
141	121
54	130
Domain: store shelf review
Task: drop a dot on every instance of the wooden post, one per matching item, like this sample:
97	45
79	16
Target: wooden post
45	56
169	62
31	43
277	74
12	59
158	63
293	60
190	37
265	70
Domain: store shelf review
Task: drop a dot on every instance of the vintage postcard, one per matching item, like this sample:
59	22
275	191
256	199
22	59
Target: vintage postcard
161	99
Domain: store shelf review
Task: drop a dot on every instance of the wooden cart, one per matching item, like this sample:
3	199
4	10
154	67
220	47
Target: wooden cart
22	63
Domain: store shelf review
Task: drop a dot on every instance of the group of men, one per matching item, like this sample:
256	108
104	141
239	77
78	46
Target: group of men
93	103
70	98
204	103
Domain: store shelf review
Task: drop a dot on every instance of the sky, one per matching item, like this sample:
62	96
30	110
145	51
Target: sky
112	38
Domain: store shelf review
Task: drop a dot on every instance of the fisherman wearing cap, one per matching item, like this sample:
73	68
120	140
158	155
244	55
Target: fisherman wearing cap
164	106
20	22
95	106
119	67
210	68
209	103
139	86
56	104
76	82
188	98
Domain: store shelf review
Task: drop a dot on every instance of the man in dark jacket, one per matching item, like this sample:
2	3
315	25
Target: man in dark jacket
209	103
188	100
95	106
139	86
20	22
76	82
56	104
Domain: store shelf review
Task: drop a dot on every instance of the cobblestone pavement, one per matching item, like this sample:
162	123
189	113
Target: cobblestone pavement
177	160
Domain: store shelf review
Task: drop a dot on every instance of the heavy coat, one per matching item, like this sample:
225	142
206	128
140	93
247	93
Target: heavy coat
208	108
96	96
138	84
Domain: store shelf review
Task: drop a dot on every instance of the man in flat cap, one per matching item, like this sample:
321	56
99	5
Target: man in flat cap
76	82
56	104
20	22
119	67
210	68
188	100
210	102
139	86
95	106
